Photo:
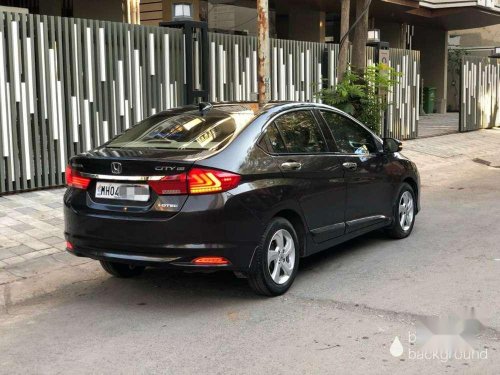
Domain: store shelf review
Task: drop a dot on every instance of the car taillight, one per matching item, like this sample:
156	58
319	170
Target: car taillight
196	181
205	181
73	179
170	185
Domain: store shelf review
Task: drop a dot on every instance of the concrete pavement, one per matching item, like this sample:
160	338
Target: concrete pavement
434	124
30	226
63	314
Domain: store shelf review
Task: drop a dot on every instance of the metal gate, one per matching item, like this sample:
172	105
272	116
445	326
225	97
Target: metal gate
480	93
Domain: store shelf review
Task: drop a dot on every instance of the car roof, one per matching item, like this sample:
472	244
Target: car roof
251	108
244	107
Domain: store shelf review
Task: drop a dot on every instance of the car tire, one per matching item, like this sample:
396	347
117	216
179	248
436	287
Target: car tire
276	259
403	213
121	270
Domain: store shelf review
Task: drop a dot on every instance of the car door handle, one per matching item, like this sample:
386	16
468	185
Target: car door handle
291	166
350	165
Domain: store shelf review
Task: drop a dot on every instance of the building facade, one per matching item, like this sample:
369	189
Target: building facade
422	25
412	24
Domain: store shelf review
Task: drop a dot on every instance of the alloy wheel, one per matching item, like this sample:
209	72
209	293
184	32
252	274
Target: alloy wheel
281	256
406	211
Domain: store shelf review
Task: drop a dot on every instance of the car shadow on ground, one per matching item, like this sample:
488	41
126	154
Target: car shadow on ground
176	291
220	284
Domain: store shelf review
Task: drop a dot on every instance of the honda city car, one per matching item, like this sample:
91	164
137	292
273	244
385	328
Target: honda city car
220	187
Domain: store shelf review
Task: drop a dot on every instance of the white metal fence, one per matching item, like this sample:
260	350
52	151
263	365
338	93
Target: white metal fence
298	70
68	85
480	91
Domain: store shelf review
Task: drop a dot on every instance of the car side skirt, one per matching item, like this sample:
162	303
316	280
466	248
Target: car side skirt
313	248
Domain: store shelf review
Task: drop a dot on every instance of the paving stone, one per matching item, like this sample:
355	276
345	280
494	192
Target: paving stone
38	233
32	255
14	260
42	208
7	244
6	277
20	237
57	221
21	249
22	227
8	221
61	245
37	245
54	204
7	231
45	226
4	254
11	204
59	192
31	194
35	266
67	258
53	240
26	210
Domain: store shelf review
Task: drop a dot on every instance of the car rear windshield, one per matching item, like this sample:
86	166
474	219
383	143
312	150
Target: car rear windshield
186	130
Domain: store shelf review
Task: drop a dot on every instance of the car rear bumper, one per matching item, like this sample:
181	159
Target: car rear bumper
240	257
207	226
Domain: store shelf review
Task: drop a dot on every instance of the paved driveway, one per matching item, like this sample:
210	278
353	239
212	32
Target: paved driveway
30	226
435	124
63	314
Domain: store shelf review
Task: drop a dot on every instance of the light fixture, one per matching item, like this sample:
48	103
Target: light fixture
373	36
182	11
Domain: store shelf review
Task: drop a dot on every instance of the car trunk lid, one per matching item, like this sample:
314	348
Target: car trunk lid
121	180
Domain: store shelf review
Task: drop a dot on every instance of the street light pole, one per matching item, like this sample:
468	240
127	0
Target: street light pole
263	52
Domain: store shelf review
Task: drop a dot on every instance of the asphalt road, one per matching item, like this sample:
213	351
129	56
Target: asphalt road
342	314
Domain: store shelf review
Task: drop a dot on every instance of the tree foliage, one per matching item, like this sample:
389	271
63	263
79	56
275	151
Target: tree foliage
363	96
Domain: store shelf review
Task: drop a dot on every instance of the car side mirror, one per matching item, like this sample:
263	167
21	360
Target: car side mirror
392	145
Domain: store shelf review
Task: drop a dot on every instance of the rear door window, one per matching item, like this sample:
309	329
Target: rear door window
300	133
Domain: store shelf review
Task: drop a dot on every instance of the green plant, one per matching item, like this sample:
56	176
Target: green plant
363	96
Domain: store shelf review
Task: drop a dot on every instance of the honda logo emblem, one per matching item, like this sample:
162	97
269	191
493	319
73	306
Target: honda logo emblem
116	168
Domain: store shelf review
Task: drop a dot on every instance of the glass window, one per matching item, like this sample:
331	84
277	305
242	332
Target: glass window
351	138
300	133
186	130
274	142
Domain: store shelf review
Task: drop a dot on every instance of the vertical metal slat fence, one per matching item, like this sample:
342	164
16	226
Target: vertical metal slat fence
480	93
68	85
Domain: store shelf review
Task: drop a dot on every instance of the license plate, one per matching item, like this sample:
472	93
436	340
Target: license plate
128	192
